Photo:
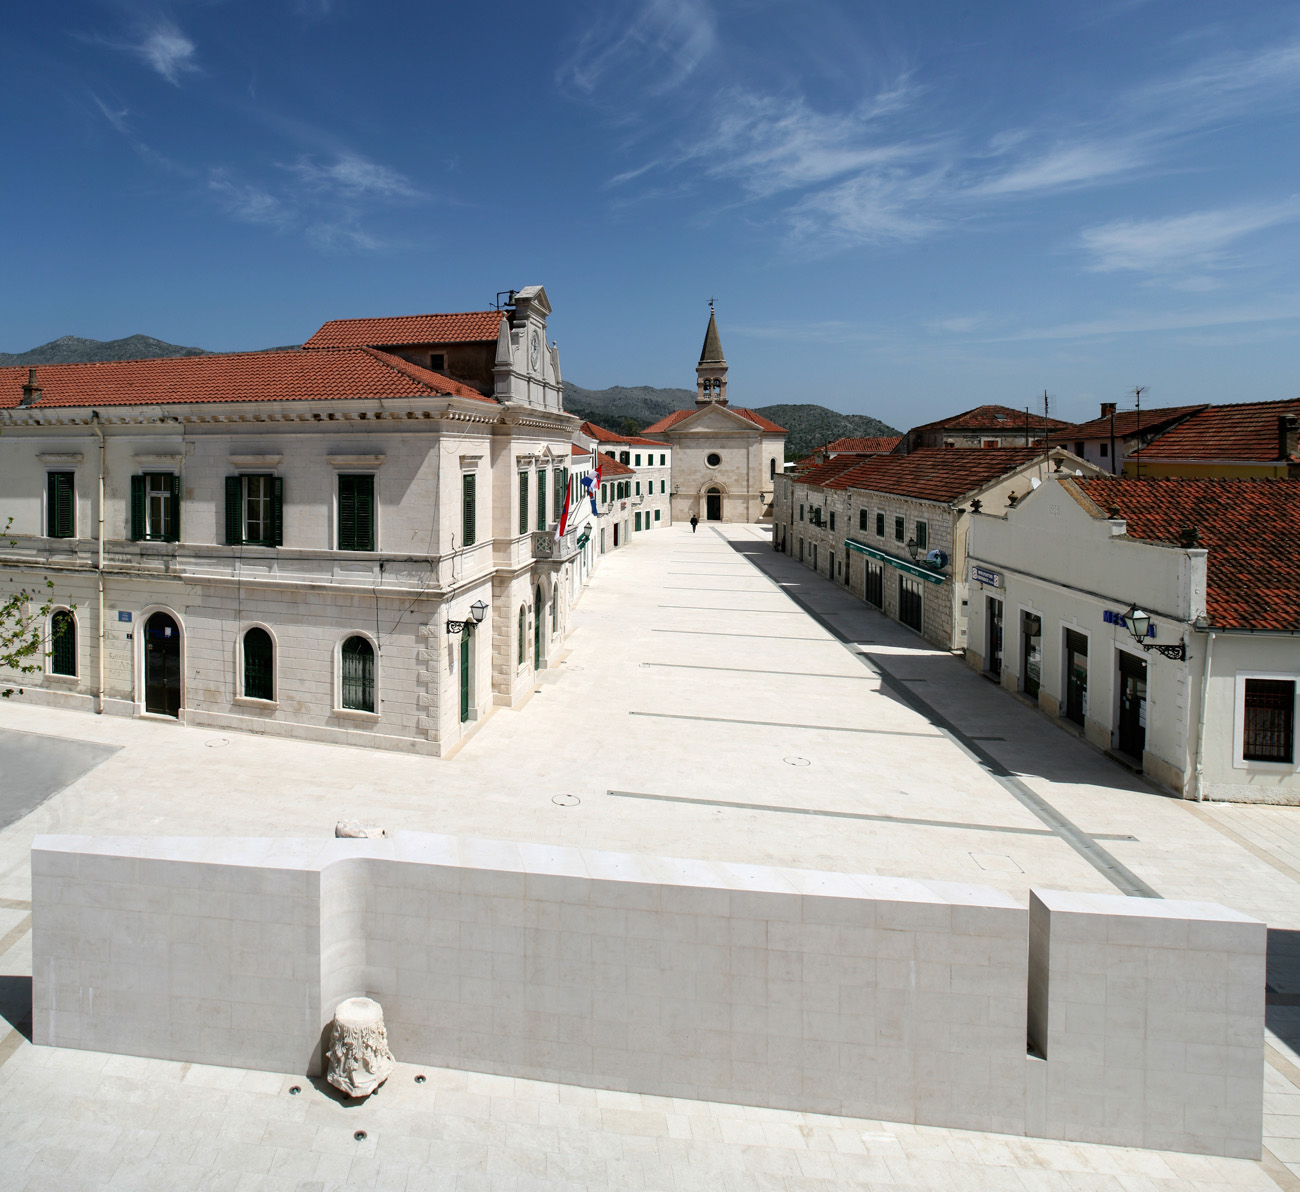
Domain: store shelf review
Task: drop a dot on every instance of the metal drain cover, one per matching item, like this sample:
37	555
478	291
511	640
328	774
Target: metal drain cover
217	742
565	800
796	761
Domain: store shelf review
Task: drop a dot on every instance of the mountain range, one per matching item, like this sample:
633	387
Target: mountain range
626	409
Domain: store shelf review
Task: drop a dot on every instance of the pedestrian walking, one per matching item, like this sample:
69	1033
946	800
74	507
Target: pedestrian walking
695	521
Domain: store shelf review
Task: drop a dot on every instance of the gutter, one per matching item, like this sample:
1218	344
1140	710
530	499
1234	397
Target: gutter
1200	725
99	566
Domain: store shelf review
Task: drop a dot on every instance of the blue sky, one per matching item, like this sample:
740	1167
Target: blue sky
901	209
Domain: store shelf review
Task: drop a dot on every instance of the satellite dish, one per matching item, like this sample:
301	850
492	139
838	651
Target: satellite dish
936	559
1035	482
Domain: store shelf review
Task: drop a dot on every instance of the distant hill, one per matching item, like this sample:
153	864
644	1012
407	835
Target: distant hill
630	410
812	426
72	349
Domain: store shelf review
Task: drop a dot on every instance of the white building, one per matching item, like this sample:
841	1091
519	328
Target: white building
652	466
724	458
300	542
1205	704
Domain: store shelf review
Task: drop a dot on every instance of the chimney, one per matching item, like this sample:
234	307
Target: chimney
1288	436
32	391
1108	407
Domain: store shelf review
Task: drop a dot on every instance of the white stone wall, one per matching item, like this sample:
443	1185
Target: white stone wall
865	996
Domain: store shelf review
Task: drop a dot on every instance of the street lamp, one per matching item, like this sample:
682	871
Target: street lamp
1139	625
913	549
477	611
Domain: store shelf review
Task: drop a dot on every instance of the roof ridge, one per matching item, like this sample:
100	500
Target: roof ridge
442	314
166	359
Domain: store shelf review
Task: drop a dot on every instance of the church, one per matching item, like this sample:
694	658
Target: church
725	458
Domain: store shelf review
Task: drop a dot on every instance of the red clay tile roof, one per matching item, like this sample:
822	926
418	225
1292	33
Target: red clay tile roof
820	474
932	474
609	466
472	326
678	415
336	374
859	446
1247	526
574	449
1127	422
1002	418
1247	431
601	435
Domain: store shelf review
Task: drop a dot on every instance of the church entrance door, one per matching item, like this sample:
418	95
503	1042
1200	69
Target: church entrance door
713	505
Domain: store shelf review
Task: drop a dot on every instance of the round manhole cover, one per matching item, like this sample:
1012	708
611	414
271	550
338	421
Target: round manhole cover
796	761
565	800
217	742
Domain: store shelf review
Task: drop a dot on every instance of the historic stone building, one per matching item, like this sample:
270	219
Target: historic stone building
350	542
725	458
652	465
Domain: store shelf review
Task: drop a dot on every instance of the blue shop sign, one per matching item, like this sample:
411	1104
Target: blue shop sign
1114	618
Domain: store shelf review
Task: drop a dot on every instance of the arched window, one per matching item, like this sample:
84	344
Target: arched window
63	643
358	675
523	631
259	670
555	617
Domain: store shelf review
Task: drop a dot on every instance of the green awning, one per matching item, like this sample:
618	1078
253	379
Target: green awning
930	576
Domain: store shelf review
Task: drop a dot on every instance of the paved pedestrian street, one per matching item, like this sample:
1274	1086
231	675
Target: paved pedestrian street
714	700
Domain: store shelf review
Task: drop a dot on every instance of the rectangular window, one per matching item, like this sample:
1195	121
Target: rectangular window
523	502
156	507
663	486
909	602
638	488
254	510
900	529
541	498
801	513
880	525
832	520
1105	450
604	493
638	459
656	515
638	521
922	535
59	504
437	361
1268	728
356	513
468	513
862	520
662	458
875	584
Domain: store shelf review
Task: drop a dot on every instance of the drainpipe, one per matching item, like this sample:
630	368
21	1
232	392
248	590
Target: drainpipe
99	562
1200	726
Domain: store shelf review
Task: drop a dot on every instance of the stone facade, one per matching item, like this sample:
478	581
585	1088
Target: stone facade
421	453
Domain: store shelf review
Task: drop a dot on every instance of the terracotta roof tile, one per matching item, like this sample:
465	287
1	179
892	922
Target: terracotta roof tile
933	473
601	435
469	327
1247	527
864	446
821	474
1002	418
574	449
332	374
609	466
1246	431
679	415
1127	422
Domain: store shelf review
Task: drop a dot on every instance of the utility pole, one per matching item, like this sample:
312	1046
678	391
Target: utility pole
1138	391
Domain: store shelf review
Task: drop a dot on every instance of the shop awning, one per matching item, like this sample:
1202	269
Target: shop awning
926	573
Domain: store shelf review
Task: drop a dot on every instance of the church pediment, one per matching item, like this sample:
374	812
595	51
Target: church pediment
713	419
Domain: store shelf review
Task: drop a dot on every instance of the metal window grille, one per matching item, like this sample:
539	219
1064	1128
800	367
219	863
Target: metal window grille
358	675
1268	734
63	644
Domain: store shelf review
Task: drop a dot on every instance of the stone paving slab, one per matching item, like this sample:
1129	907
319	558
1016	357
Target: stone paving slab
657	693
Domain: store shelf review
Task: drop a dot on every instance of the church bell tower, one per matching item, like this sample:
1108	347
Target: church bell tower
711	372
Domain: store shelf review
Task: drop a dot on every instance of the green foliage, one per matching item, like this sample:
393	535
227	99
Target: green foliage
21	619
812	426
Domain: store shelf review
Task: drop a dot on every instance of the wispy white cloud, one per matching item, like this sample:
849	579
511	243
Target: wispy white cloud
1063	167
1279	309
114	115
248	202
1182	243
164	48
653	45
354	176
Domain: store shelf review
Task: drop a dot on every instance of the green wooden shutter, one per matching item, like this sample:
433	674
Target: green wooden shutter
137	508
59	507
523	502
277	511
468	528
347	513
541	498
365	513
175	528
234	511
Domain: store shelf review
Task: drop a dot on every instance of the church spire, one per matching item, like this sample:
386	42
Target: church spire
711	372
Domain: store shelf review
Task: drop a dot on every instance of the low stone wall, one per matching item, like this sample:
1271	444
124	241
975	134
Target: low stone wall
834	993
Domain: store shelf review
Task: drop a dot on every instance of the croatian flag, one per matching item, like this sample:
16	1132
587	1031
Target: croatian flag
564	516
592	485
